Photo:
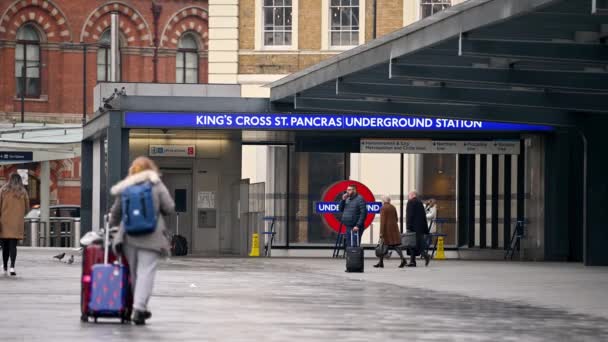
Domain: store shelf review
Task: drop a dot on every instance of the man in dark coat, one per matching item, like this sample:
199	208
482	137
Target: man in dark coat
415	218
354	212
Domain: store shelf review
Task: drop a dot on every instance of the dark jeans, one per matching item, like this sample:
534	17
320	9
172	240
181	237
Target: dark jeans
9	249
356	239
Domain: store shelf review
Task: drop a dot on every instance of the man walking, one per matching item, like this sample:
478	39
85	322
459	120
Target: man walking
354	212
415	217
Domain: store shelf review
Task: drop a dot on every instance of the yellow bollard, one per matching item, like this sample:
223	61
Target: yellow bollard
255	245
440	253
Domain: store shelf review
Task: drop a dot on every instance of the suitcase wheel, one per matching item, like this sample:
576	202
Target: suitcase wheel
84	318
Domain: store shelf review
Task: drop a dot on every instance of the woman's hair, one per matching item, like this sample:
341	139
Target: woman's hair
14	185
142	164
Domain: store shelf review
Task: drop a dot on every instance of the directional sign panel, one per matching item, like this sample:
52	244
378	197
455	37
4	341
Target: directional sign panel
16	156
439	146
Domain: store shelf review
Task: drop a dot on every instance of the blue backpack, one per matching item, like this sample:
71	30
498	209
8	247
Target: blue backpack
138	213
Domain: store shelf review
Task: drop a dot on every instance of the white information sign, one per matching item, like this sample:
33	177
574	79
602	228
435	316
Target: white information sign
206	200
188	151
439	146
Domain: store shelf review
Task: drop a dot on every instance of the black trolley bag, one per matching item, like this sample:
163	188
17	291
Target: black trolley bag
354	256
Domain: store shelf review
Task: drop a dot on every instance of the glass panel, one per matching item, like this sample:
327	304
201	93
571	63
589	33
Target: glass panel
27	32
335	19
106	38
346	13
268	38
355	2
335	2
287	2
335	38
18	85
18	66
345	2
278	38
187	42
179	75
32	71
101	56
268	2
33	87
101	72
179	60
287	38
355	17
288	12
191	76
19	52
32	53
191	60
268	24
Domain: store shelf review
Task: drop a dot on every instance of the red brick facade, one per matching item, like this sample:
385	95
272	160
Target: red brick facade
64	27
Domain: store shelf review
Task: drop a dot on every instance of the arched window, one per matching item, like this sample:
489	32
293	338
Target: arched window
186	65
27	61
104	58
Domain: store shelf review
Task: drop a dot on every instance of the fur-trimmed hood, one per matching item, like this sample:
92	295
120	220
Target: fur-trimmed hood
140	177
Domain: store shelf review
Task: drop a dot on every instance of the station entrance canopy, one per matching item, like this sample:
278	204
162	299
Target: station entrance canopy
23	143
540	62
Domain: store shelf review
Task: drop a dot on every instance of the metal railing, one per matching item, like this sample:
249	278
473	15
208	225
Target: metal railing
60	232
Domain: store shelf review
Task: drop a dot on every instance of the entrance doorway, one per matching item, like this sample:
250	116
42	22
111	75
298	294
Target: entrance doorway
179	184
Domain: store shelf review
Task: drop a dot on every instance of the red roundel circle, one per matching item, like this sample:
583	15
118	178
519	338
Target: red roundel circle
334	194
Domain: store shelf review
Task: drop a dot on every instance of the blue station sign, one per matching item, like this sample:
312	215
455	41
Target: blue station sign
326	121
16	156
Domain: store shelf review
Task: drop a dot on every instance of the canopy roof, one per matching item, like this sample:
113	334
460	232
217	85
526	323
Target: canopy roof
46	141
533	61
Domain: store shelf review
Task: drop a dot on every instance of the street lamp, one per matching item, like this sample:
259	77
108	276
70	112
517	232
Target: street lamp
23	76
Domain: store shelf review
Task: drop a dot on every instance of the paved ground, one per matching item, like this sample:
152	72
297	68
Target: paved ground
314	300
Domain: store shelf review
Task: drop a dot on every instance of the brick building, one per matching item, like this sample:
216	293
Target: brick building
62	48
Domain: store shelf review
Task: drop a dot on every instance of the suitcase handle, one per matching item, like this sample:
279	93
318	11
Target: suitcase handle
351	238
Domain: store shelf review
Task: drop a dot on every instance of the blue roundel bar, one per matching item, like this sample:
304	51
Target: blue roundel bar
321	121
333	207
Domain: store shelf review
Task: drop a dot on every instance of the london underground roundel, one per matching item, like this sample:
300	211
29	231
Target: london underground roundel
330	200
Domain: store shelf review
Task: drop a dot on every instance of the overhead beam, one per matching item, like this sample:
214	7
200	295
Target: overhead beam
439	110
555	79
535	50
590	102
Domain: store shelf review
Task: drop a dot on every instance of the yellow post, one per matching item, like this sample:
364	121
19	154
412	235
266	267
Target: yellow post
440	253
255	245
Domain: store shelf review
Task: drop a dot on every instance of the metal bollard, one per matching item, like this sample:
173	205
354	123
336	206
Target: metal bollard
34	230
76	232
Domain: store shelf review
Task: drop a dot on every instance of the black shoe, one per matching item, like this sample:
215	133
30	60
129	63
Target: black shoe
12	272
379	266
427	259
403	263
139	317
147	314
411	265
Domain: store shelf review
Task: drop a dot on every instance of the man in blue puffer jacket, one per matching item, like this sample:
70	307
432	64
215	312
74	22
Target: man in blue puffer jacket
354	212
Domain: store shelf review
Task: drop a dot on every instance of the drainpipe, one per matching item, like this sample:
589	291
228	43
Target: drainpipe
156	10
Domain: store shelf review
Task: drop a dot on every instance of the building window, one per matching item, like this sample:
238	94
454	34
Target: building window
186	64
27	62
344	17
277	22
430	7
104	61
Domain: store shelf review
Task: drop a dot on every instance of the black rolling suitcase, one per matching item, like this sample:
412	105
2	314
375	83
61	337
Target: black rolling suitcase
354	256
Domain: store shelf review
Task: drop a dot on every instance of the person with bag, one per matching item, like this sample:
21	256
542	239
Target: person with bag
141	202
415	218
354	211
431	214
389	232
14	204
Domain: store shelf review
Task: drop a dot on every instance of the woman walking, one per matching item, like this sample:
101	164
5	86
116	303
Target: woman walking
142	251
14	203
431	214
389	230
